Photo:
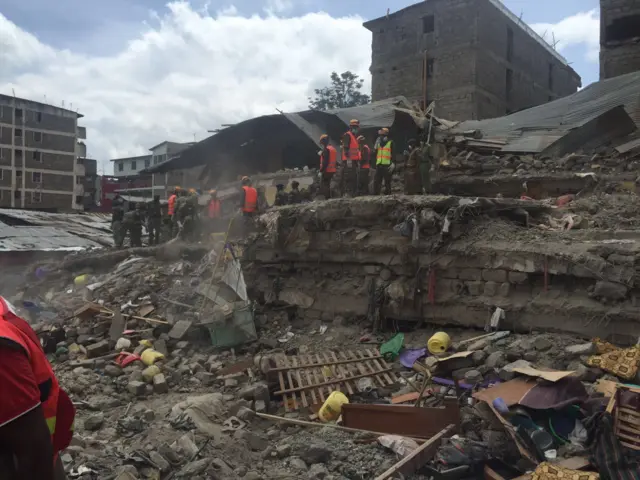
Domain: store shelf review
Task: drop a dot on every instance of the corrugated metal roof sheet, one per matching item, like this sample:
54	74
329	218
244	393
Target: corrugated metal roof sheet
42	231
558	117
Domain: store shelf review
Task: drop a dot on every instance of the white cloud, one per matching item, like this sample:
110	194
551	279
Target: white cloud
581	29
279	6
189	73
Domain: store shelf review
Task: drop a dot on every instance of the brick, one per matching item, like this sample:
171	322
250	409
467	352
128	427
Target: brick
494	275
518	277
137	388
475	288
504	289
98	349
490	289
451	273
470	274
160	384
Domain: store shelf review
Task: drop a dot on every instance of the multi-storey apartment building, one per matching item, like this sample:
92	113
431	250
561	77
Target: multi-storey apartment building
41	157
475	58
619	37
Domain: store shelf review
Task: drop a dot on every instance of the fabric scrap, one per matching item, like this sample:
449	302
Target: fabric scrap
621	362
549	471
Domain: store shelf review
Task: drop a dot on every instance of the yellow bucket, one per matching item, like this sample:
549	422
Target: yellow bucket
80	280
332	407
439	343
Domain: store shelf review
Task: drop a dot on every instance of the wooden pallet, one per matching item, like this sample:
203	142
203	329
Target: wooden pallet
309	379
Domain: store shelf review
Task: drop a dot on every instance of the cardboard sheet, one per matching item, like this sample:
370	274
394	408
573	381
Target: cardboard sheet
511	392
550	375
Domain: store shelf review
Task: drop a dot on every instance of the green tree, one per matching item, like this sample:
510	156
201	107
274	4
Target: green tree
343	92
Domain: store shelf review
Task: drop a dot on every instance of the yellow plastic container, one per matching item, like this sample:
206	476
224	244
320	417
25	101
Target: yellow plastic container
439	343
80	280
332	408
150	356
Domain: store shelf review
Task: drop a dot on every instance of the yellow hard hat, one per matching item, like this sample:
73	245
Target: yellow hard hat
383	131
178	187
192	190
213	191
324	137
354	122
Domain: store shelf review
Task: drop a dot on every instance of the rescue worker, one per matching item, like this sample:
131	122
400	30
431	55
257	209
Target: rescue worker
187	215
132	223
295	195
248	202
117	215
412	179
282	198
154	220
385	163
365	166
350	159
171	223
328	164
214	212
36	415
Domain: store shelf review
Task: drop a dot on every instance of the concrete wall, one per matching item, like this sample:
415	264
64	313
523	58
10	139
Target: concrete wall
619	37
467	60
130	165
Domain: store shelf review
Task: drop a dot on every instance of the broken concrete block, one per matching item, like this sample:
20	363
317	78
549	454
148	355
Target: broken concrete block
180	329
476	288
98	349
610	290
255	442
160	384
94	422
161	346
517	277
496	360
582	349
160	462
490	289
498	276
137	388
474	274
542	344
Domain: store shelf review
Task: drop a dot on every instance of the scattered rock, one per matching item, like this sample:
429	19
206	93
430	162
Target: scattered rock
317	471
283	451
472	377
194	468
160	462
160	384
581	349
496	360
98	349
315	453
137	388
297	463
610	290
479	357
94	422
542	344
113	371
255	442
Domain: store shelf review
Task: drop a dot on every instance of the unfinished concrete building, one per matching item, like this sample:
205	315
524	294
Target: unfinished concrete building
475	58
41	156
619	37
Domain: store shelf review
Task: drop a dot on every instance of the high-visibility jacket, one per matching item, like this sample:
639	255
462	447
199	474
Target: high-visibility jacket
353	152
55	403
172	204
384	154
250	199
333	158
214	208
366	157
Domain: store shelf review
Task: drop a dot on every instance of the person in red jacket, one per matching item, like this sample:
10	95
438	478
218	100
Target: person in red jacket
328	164
214	211
36	415
365	166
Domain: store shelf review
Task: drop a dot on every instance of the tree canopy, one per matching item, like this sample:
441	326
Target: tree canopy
343	92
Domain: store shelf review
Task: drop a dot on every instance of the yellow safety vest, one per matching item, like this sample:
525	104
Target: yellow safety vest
384	154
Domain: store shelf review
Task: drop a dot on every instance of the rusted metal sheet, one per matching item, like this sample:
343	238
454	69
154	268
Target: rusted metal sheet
403	420
420	456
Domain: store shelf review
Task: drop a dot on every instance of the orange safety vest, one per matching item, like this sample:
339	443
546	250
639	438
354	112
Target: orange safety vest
56	405
333	158
172	204
214	208
366	157
250	199
353	152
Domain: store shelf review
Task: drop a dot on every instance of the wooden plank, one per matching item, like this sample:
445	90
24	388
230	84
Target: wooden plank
324	376
370	366
416	459
290	378
312	391
326	384
294	360
344	373
377	363
407	397
285	399
320	364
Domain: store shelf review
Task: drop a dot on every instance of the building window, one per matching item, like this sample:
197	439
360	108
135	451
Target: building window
550	77
79	180
37	156
1	194
120	166
37	116
37	137
18	174
509	83
36	197
134	167
18	132
18	113
17	194
1	149
428	24
18	154
155	159
621	29
509	45
36	177
1	174
79	198
147	163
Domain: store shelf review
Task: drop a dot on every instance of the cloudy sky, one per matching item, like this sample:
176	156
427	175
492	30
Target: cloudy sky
144	71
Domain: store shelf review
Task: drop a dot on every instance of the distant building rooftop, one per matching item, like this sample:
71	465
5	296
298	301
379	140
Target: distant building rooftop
36	105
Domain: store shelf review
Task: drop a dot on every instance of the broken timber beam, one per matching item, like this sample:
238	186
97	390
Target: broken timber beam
416	459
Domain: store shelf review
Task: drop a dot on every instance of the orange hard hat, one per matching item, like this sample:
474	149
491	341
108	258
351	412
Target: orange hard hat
354	122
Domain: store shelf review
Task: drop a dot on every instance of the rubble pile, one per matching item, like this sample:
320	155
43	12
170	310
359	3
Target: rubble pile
182	365
451	260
